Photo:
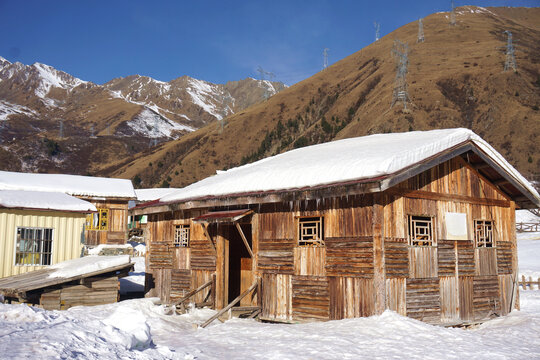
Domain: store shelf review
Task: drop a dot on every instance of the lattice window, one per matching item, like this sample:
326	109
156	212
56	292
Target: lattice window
483	233
421	231
34	246
98	220
181	236
310	231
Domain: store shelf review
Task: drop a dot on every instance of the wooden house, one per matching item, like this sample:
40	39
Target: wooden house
108	225
38	229
421	223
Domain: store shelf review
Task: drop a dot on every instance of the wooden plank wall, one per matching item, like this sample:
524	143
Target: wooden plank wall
117	223
351	297
472	282
277	297
310	298
95	291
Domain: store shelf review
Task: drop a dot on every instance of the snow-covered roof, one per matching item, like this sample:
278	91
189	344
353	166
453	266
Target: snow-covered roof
75	185
152	194
42	200
86	265
366	157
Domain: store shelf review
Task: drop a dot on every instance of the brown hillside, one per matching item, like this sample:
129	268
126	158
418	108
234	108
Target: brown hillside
455	79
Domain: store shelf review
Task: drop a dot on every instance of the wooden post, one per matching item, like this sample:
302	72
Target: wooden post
379	276
222	271
239	228
512	225
205	227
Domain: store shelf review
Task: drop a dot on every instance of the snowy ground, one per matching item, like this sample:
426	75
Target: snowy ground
140	329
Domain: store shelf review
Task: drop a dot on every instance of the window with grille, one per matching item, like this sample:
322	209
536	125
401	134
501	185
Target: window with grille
98	220
483	233
310	231
181	236
421	231
34	246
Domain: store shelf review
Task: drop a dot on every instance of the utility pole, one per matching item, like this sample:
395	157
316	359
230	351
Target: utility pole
420	31
400	52
325	58
510	62
377	30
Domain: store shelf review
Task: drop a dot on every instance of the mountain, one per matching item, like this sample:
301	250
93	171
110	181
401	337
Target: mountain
455	78
51	121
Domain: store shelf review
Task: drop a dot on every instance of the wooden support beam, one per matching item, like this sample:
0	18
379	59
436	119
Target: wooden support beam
244	239
193	292
480	166
500	182
379	273
205	227
226	308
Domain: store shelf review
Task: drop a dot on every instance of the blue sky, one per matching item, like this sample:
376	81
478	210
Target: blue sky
215	41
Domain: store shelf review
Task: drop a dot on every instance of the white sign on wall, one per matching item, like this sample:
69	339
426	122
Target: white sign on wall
456	226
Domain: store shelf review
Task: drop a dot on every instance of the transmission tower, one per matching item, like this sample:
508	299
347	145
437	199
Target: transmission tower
452	14
377	30
420	31
61	129
325	58
92	132
510	62
400	52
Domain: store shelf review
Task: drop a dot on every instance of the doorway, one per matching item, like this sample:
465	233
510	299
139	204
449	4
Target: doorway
239	262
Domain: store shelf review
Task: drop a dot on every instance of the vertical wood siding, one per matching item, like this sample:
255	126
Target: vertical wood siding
466	298
449	298
277	297
396	295
423	262
506	286
351	297
309	260
67	236
486	261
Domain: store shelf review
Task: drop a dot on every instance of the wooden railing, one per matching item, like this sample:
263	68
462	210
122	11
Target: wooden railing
524	283
527	227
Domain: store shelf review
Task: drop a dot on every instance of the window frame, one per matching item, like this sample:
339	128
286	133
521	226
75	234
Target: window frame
95	220
45	255
319	230
491	235
432	241
177	240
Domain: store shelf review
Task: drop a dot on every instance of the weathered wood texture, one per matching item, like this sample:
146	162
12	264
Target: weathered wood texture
396	254
351	297
446	253
181	258
449	291
506	287
466	298
277	297
180	283
309	260
198	278
349	256
423	262
202	255
486	299
310	298
396	289
423	299
466	263
95	291
504	257
160	255
486	261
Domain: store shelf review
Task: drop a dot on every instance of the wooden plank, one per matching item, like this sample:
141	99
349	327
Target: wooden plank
395	295
423	300
309	260
379	282
351	297
277	297
423	262
396	257
486	261
310	298
449	292
427	195
486	297
349	256
244	240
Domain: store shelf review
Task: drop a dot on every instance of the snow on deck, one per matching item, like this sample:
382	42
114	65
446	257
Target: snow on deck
339	161
43	201
70	184
86	265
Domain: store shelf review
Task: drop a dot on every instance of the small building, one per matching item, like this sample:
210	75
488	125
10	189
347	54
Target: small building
39	229
87	281
138	222
422	223
108	225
